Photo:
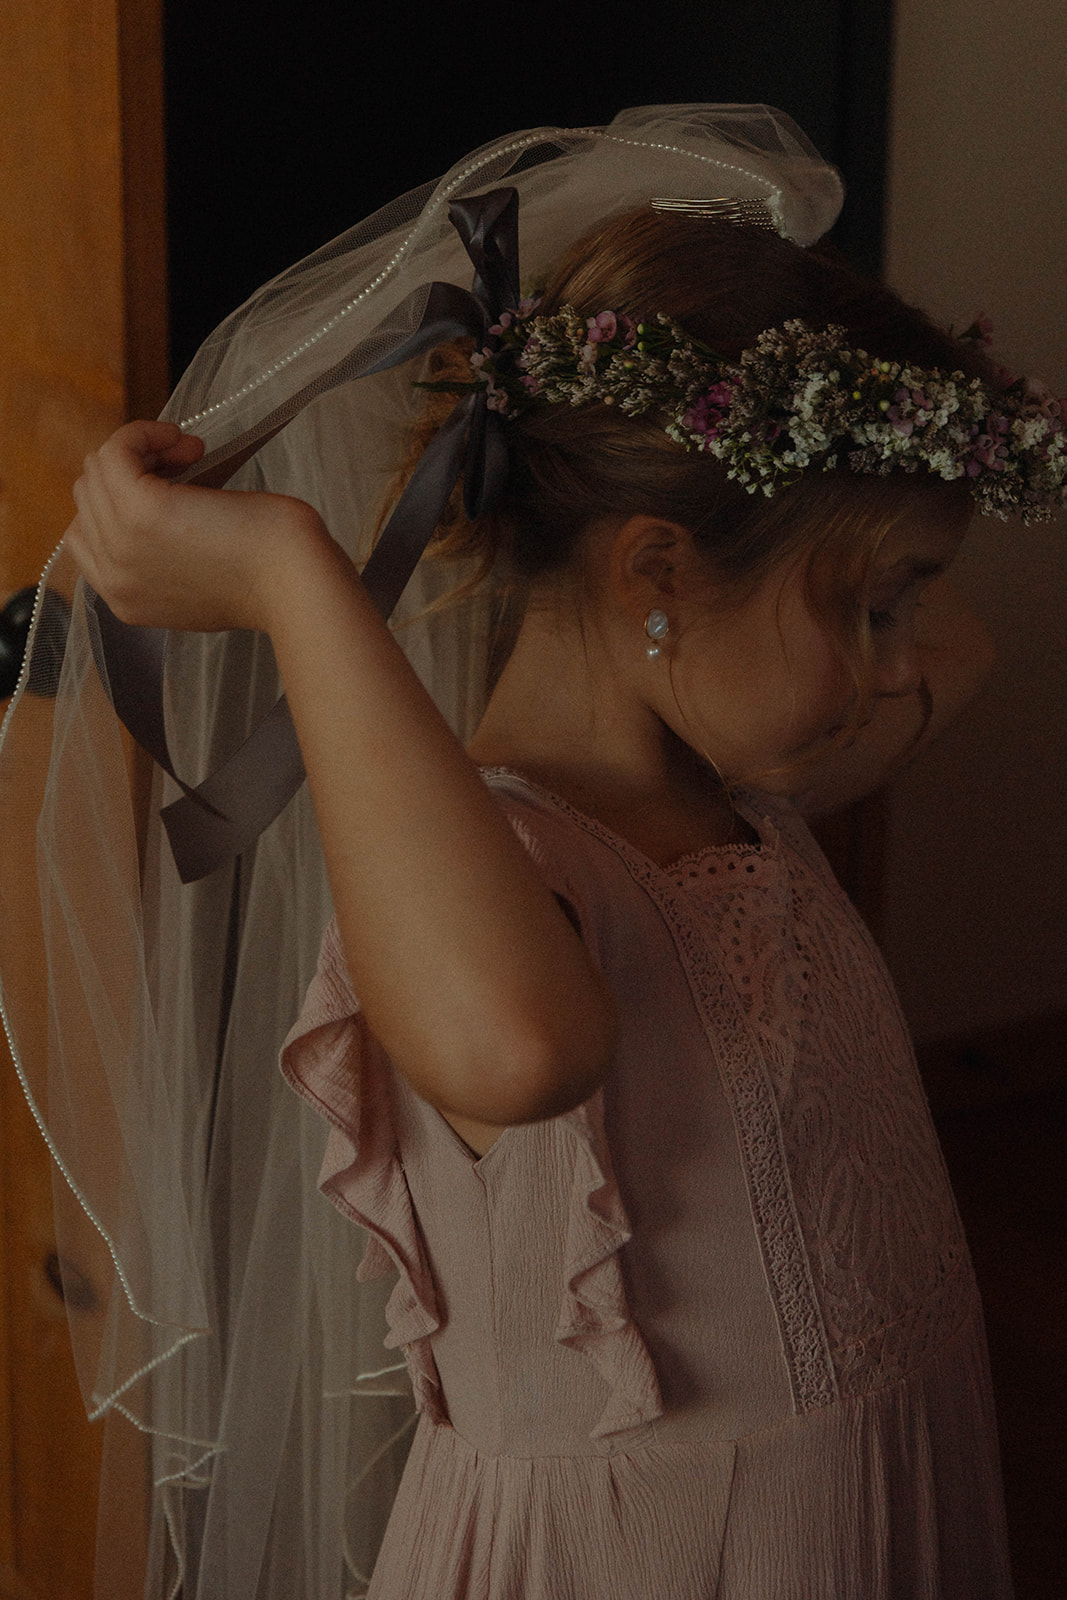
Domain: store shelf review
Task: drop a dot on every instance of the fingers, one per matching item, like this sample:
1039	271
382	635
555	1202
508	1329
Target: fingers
147	447
134	456
117	489
166	554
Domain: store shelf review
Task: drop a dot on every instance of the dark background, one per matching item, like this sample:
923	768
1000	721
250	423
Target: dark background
289	123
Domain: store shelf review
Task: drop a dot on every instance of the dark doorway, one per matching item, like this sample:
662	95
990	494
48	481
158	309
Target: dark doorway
287	124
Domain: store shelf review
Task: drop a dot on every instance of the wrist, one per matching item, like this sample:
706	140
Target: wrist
293	566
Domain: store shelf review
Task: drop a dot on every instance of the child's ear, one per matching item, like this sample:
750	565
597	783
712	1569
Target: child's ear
648	557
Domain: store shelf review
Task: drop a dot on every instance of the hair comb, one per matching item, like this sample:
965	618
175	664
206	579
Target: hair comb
750	213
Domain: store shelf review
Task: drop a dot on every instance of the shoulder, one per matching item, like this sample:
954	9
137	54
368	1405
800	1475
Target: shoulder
603	881
551	830
568	857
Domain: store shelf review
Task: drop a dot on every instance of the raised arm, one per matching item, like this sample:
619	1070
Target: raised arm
956	653
467	970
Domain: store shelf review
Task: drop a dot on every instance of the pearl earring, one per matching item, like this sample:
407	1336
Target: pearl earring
657	626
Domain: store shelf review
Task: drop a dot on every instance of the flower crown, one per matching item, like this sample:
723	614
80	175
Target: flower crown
797	398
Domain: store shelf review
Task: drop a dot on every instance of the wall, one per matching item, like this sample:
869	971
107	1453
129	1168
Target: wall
975	914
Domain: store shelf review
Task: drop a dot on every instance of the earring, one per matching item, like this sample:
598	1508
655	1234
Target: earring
657	626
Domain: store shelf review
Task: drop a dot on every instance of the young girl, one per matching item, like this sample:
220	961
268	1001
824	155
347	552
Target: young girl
615	1077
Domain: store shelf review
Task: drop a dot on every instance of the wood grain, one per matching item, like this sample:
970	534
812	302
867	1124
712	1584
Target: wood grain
82	347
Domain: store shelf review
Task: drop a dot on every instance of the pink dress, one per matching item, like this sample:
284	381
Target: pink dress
715	1332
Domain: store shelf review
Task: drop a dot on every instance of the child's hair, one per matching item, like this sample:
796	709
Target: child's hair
571	467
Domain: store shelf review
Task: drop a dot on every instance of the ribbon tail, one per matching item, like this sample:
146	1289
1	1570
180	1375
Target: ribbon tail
130	664
225	813
231	808
420	508
250	788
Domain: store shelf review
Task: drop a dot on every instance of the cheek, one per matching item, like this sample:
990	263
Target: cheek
823	688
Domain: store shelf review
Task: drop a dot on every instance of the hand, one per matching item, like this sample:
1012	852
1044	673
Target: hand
169	555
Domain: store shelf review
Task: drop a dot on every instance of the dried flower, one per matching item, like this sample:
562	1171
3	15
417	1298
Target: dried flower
798	398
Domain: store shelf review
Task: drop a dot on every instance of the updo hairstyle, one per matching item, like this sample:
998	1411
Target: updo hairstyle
573	466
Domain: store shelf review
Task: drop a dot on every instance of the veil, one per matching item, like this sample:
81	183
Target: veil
214	1296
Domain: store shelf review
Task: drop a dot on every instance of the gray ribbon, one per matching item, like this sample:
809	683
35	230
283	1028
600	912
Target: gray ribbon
223	815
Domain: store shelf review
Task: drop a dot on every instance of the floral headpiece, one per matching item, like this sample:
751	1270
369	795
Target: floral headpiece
798	398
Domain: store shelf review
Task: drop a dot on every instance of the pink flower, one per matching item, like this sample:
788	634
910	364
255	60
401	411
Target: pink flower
987	454
903	425
980	331
708	412
603	327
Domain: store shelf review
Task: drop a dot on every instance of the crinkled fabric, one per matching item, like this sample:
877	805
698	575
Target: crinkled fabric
714	1332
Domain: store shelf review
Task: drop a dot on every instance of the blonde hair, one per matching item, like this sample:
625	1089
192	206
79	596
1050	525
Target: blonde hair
572	467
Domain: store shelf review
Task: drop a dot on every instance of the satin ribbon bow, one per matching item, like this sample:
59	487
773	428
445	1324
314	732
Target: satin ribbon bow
223	815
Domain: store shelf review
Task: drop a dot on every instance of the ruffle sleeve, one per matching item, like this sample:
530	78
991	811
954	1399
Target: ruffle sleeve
333	1061
594	1316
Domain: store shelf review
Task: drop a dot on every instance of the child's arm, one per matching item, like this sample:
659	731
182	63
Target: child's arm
956	654
468	971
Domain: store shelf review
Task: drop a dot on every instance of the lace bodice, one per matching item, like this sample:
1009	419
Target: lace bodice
838	1118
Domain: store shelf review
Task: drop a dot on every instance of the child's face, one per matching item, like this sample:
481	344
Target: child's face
760	687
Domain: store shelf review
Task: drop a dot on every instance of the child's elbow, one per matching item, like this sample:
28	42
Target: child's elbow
570	1068
544	1066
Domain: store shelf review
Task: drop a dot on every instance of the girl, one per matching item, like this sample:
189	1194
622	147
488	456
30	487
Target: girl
615	1078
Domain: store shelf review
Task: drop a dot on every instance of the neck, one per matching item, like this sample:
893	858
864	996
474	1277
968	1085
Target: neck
563	717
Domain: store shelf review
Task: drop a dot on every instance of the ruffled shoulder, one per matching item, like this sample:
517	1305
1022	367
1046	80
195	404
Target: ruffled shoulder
594	1314
333	1061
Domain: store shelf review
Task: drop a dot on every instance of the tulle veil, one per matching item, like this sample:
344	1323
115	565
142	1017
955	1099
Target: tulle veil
224	1318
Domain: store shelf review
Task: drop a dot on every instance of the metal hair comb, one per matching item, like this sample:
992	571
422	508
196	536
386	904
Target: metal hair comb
750	213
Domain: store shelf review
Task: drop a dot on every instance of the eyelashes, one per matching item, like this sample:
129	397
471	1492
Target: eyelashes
882	621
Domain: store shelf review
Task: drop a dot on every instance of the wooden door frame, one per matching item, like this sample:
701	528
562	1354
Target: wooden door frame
83	318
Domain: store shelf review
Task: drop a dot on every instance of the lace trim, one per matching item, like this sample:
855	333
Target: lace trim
746	909
865	1256
892	1268
709	853
885	1247
805	1347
